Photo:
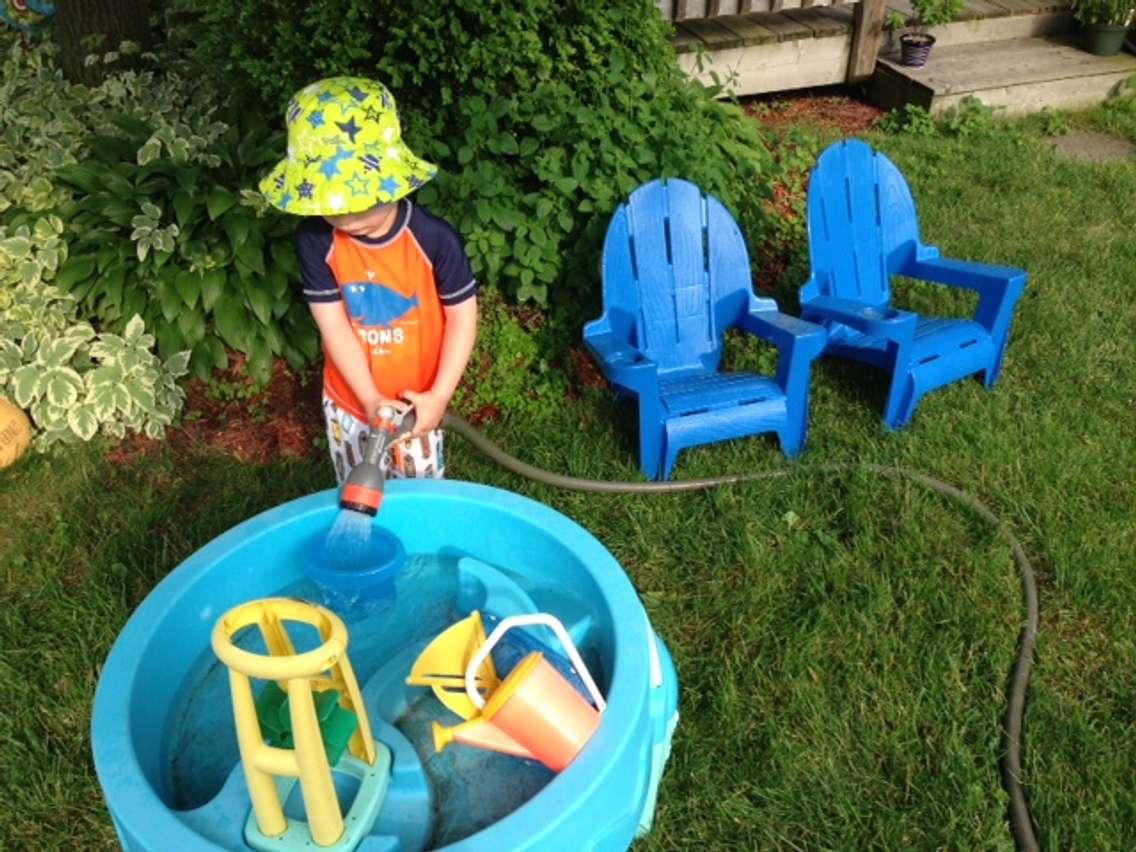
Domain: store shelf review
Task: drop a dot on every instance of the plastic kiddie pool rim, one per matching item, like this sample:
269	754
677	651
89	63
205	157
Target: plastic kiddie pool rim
151	822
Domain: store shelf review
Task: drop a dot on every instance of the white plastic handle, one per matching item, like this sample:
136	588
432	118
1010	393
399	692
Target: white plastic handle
536	619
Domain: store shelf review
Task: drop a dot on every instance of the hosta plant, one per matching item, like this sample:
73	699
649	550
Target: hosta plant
182	245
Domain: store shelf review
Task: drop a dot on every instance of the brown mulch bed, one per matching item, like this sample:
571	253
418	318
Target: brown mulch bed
230	414
819	108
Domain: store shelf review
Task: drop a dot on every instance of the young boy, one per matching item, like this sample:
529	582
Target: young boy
389	285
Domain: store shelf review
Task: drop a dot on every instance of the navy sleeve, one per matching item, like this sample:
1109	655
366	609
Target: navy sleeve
453	275
313	242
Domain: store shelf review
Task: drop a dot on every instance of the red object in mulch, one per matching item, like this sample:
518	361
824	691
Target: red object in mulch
812	108
279	421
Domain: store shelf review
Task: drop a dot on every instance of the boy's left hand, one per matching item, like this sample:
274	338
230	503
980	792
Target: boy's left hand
429	408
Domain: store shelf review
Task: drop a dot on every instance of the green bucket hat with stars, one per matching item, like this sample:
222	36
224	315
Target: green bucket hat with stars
345	151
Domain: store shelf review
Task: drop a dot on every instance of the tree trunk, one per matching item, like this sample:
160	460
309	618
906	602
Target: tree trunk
97	26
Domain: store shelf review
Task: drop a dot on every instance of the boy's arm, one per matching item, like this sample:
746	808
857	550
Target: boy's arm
457	344
342	347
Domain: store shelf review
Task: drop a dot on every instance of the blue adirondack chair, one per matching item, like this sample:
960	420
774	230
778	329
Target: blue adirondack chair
675	277
862	231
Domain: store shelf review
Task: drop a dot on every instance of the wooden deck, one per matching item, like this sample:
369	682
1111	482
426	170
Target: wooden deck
1018	55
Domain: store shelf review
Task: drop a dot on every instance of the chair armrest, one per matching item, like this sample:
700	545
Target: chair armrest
620	363
981	277
889	323
785	332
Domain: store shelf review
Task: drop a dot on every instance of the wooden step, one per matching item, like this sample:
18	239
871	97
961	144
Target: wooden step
993	20
1019	75
1000	28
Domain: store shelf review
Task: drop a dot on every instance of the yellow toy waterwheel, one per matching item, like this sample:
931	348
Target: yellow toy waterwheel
15	433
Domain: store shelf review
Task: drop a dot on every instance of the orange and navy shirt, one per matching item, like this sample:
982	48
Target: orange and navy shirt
393	289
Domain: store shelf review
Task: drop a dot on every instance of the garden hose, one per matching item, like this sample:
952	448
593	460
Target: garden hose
1011	764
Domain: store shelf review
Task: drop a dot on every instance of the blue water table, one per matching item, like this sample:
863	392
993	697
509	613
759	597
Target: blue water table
244	706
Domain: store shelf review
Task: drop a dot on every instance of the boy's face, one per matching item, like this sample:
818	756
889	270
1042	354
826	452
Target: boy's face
373	222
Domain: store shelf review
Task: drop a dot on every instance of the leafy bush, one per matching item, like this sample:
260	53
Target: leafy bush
46	122
156	221
158	234
933	13
969	119
509	374
72	380
1105	13
543	114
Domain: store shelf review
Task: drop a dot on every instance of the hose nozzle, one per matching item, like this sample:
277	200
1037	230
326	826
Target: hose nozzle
363	490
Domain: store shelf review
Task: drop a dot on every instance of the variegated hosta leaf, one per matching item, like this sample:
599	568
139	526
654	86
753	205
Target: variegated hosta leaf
47	416
49	258
60	386
47	227
106	376
129	359
123	401
83	421
143	396
29	272
60	351
101	400
176	365
109	349
155	430
149	152
23	384
15	248
134	329
10	355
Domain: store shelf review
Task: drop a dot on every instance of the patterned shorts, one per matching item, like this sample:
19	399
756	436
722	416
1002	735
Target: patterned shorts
409	458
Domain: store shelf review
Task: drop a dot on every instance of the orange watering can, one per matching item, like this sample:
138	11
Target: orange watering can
534	712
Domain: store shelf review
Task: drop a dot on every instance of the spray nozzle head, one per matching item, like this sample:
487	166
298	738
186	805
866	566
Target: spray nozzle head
363	490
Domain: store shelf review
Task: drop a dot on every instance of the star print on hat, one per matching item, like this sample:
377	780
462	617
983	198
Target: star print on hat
345	151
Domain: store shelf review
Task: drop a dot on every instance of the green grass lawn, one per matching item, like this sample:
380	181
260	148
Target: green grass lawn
843	643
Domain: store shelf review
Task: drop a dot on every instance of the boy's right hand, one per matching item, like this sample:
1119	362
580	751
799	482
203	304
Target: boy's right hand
371	406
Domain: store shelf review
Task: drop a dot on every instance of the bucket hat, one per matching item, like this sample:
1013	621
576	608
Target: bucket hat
345	151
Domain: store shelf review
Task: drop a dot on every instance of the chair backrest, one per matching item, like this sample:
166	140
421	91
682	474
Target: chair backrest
862	224
675	274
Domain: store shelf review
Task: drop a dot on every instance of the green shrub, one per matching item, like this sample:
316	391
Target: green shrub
933	13
73	381
46	122
543	114
158	233
1107	13
157	223
508	373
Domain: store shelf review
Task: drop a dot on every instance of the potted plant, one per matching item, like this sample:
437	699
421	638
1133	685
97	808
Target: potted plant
915	46
1105	23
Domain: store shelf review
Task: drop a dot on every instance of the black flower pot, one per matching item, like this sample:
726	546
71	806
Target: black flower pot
1104	40
914	48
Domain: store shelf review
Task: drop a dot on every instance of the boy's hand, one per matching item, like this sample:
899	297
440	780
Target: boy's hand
429	408
372	405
